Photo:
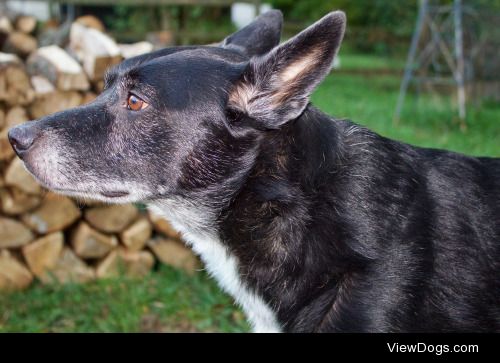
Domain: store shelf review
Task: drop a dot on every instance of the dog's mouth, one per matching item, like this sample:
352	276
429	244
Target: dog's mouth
114	194
107	193
108	196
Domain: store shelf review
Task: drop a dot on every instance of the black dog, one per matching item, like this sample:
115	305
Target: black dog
311	223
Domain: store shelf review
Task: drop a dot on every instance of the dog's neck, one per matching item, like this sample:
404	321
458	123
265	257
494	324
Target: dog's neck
196	224
203	212
262	225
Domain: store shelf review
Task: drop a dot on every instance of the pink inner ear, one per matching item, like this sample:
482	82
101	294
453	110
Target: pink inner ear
264	97
300	66
242	95
280	82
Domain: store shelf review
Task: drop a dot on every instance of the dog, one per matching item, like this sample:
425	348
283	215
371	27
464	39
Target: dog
312	224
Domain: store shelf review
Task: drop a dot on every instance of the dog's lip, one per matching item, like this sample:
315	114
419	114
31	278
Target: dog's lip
107	193
114	193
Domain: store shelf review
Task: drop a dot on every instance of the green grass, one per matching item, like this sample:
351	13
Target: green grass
428	121
169	300
350	61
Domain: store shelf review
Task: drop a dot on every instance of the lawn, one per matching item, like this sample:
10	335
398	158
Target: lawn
365	91
169	300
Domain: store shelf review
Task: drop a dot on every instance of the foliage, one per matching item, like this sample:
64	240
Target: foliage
382	26
360	12
372	23
366	89
136	21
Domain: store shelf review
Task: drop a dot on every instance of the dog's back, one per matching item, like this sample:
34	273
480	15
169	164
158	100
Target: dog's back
434	220
364	233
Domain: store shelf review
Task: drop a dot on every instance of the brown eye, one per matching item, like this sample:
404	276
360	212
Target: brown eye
134	103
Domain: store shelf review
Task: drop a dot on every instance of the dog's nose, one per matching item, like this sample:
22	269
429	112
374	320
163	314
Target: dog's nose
22	138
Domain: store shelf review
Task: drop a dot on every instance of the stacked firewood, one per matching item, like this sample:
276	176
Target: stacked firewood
50	237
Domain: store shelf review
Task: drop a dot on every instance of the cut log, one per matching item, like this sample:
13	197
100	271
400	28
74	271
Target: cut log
15	87
132	263
58	67
54	214
109	266
42	86
111	218
2	118
137	263
17	176
98	86
42	255
89	243
94	49
54	33
52	102
162	226
15	116
174	253
6	151
136	236
13	274
25	24
90	21
68	268
20	44
5	25
88	97
87	202
13	233
135	49
8	59
14	201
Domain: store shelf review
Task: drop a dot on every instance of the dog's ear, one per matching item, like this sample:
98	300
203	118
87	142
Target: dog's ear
258	37
275	88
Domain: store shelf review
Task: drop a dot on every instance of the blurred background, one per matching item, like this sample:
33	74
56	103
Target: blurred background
426	72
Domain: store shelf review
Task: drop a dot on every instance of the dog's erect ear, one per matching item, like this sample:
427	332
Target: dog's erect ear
258	37
275	88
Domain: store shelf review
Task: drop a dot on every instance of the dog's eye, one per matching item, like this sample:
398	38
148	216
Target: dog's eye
134	103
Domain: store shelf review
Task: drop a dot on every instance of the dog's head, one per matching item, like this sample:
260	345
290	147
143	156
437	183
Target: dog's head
180	119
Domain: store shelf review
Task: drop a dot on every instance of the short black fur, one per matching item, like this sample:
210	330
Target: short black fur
335	228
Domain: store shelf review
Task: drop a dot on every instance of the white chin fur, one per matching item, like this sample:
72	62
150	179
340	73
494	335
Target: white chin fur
195	225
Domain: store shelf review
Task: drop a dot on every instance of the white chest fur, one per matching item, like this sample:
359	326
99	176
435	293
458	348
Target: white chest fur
220	263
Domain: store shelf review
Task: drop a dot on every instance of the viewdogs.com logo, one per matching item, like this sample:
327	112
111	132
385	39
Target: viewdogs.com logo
437	349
